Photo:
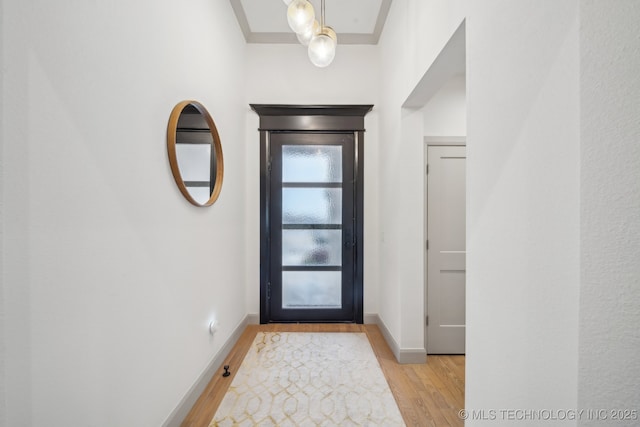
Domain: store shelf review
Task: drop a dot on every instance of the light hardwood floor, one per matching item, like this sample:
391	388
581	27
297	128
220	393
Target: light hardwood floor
428	394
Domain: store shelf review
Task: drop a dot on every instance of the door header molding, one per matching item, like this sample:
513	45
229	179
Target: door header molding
284	117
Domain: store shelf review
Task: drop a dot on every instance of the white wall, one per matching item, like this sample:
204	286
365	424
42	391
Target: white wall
3	393
553	216
415	33
446	112
109	276
283	74
609	341
523	206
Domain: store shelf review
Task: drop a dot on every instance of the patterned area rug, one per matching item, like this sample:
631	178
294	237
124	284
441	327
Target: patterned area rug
309	379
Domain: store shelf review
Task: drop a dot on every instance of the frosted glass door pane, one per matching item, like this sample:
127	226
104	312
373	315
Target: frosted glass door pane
312	247
311	289
194	161
311	163
311	205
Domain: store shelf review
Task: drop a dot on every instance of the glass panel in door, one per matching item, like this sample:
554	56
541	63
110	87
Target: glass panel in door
312	227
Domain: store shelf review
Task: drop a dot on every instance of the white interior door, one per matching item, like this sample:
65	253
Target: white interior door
446	252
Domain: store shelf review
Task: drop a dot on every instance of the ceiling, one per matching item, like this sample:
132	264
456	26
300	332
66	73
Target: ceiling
355	21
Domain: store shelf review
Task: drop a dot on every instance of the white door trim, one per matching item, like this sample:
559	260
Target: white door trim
444	140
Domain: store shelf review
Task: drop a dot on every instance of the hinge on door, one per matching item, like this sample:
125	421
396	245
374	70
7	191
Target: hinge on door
268	290
427	244
427	320
427	168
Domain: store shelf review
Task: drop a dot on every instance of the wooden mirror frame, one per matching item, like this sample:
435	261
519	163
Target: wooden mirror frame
172	132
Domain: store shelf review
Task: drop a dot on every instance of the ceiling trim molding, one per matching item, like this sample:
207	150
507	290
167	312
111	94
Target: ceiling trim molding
290	37
271	38
382	18
238	10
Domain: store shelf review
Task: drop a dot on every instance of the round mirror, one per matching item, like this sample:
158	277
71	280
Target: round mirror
195	153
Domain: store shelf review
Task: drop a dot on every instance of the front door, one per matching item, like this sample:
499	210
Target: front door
312	227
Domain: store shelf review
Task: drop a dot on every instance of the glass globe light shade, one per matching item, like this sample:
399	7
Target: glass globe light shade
329	31
300	15
322	49
286	2
306	37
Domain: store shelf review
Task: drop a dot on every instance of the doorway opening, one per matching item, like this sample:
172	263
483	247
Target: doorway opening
440	96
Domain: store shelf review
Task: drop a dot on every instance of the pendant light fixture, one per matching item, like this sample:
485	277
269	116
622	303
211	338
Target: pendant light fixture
305	38
320	38
322	47
300	15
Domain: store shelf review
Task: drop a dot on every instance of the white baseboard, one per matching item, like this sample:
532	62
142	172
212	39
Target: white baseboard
412	355
403	355
371	319
393	345
182	410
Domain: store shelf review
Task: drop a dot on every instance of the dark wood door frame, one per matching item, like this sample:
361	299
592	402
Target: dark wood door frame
310	118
